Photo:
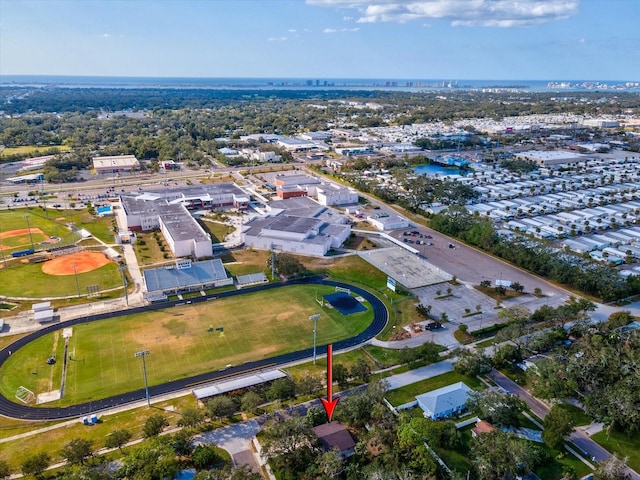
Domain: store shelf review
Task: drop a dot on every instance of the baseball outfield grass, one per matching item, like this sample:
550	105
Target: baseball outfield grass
28	281
183	341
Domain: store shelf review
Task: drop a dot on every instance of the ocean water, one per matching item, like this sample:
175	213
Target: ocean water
290	83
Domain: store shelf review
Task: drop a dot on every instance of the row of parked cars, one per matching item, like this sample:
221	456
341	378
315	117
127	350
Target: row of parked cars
417	235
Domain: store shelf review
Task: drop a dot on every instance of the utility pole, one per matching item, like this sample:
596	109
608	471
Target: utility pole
143	353
314	318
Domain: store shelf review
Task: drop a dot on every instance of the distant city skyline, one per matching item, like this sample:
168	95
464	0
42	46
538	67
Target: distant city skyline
408	39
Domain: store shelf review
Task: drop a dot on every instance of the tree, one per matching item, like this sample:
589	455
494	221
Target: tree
613	468
5	470
35	464
500	455
362	407
471	363
154	459
204	456
118	439
308	384
191	417
220	406
182	442
423	310
154	425
517	287
496	407
76	451
250	401
361	370
340	375
557	425
281	389
287	265
330	464
429	352
291	441
315	416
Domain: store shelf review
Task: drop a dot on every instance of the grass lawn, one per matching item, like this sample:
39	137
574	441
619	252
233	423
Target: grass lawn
559	462
34	150
347	359
217	230
485	343
578	415
255	326
622	444
247	261
29	281
351	268
132	420
408	393
405	313
14	219
100	227
458	459
147	249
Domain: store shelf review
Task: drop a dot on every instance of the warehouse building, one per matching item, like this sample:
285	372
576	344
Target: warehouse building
115	164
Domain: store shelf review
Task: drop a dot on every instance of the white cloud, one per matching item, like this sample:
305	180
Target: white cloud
277	39
333	30
486	13
292	30
347	18
105	35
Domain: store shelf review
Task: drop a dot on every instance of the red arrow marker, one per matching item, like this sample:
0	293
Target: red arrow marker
330	403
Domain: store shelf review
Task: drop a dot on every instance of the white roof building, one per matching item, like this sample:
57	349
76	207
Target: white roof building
115	164
445	401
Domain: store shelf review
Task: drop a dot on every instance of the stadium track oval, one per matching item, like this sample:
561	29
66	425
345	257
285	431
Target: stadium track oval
24	412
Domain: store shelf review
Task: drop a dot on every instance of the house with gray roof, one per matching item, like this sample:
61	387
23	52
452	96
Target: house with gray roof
445	401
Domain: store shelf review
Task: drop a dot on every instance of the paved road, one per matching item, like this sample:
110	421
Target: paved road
580	440
15	410
413	376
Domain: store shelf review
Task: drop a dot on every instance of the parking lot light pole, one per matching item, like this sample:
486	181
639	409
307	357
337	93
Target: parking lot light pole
122	268
143	353
26	217
75	274
314	318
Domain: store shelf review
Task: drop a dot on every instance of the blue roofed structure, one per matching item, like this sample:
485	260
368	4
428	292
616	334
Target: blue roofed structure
187	276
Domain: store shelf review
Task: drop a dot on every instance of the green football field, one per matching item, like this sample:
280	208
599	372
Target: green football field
183	341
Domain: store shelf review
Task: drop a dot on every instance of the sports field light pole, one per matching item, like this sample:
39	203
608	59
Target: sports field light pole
314	318
122	268
143	353
26	217
75	274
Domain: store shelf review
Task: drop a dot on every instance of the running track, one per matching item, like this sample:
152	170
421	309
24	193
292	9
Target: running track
25	412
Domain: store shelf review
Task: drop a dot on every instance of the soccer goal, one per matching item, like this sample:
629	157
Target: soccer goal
343	290
25	395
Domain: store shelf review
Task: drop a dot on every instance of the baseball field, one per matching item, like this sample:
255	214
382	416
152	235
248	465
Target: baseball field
183	341
63	276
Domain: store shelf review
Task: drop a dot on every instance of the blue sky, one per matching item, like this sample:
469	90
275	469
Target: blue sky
404	39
